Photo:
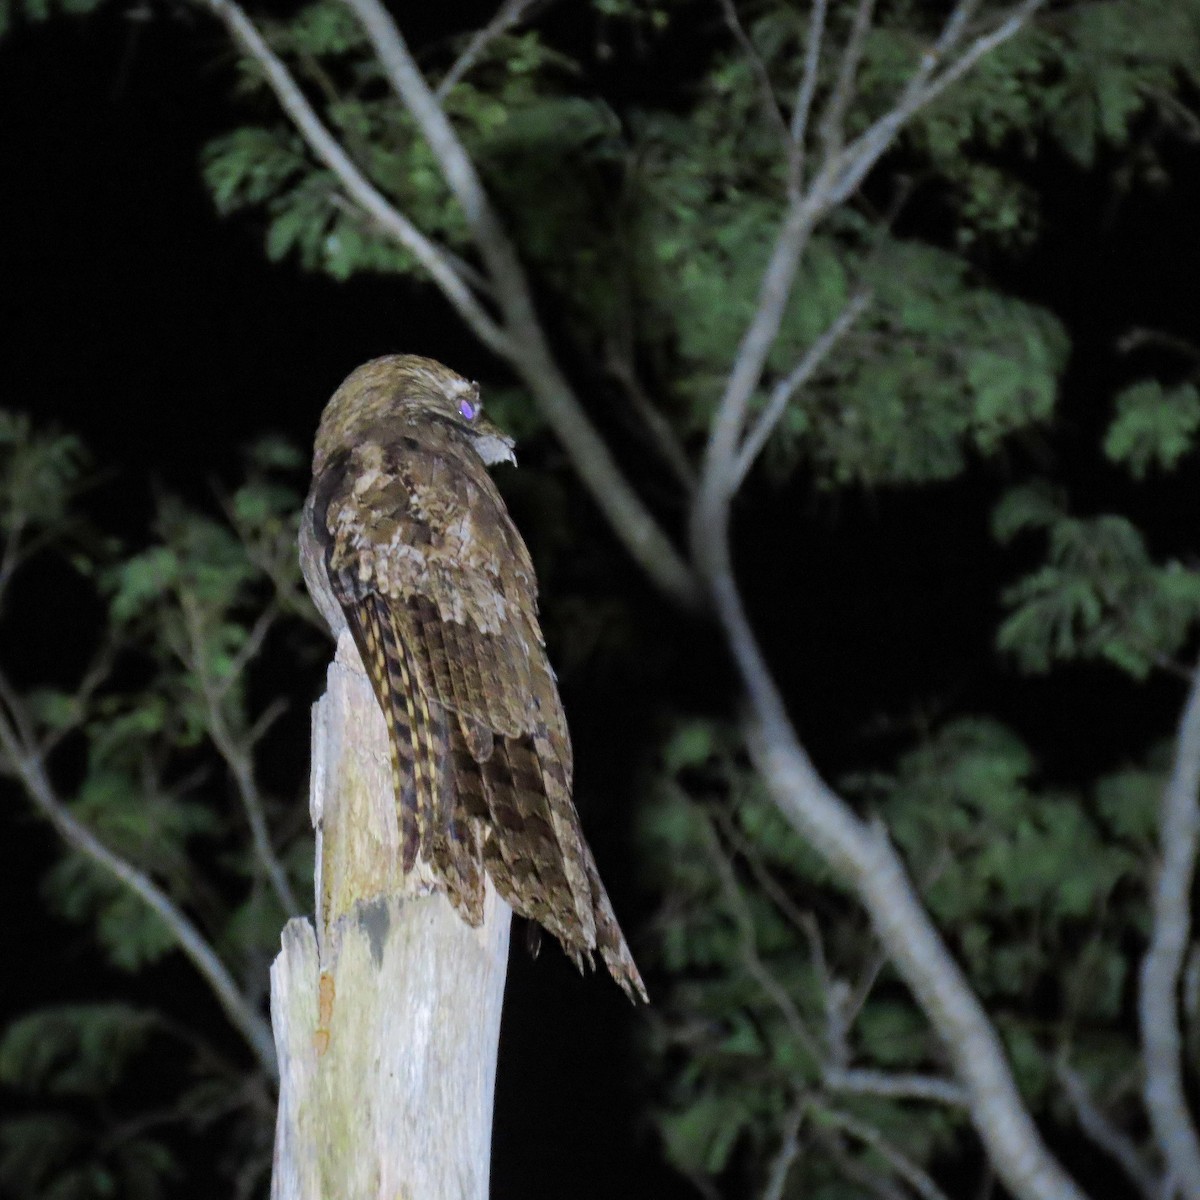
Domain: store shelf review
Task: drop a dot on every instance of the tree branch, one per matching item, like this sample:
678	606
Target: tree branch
236	756
860	852
364	193
508	15
789	1149
901	1164
761	76
774	292
1158	998
834	117
525	346
791	383
758	970
659	428
807	88
18	748
860	1081
1113	1141
852	165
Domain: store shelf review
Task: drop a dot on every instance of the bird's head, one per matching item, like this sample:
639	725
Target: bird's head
405	389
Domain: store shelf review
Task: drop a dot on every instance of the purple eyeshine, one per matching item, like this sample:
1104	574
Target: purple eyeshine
467	409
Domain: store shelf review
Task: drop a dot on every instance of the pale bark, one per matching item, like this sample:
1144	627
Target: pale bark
1158	995
387	1015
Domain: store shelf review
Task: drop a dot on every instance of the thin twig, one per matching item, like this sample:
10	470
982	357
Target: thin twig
330	152
919	1180
263	624
865	151
861	1081
22	759
1139	336
855	1169
807	88
775	290
238	760
800	919
791	383
659	428
466	270
508	15
789	1149
757	969
833	119
1158	997
1117	1144
758	68
98	671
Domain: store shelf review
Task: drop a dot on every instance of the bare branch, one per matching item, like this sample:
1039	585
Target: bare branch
852	165
525	345
465	270
508	15
785	1156
833	120
237	758
791	383
757	969
862	855
1139	337
860	1081
901	1164
808	86
659	428
717	476
759	68
330	152
1158	997
1113	1141
22	759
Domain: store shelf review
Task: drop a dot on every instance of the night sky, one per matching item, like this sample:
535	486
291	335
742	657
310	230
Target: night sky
131	314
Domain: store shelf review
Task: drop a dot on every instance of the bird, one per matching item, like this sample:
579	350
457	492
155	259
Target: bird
406	542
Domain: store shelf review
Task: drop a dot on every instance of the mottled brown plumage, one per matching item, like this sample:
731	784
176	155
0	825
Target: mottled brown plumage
406	541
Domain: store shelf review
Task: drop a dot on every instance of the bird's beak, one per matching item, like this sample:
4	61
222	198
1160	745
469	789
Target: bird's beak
493	444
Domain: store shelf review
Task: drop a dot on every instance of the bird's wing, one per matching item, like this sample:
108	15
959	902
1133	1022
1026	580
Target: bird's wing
440	592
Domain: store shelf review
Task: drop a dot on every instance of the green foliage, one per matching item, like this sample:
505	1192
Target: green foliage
73	1050
77	1053
13	12
1153	426
1098	596
751	941
52	1156
158	737
41	472
771	981
940	366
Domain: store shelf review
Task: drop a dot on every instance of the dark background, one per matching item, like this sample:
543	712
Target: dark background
133	316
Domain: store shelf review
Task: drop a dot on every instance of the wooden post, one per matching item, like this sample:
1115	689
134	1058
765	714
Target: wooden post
387	1015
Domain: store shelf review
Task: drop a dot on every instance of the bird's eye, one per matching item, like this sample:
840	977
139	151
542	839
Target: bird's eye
468	409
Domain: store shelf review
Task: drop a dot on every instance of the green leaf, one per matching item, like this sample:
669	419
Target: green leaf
691	745
73	1050
1153	426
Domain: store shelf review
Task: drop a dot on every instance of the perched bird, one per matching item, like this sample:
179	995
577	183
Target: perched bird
406	541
